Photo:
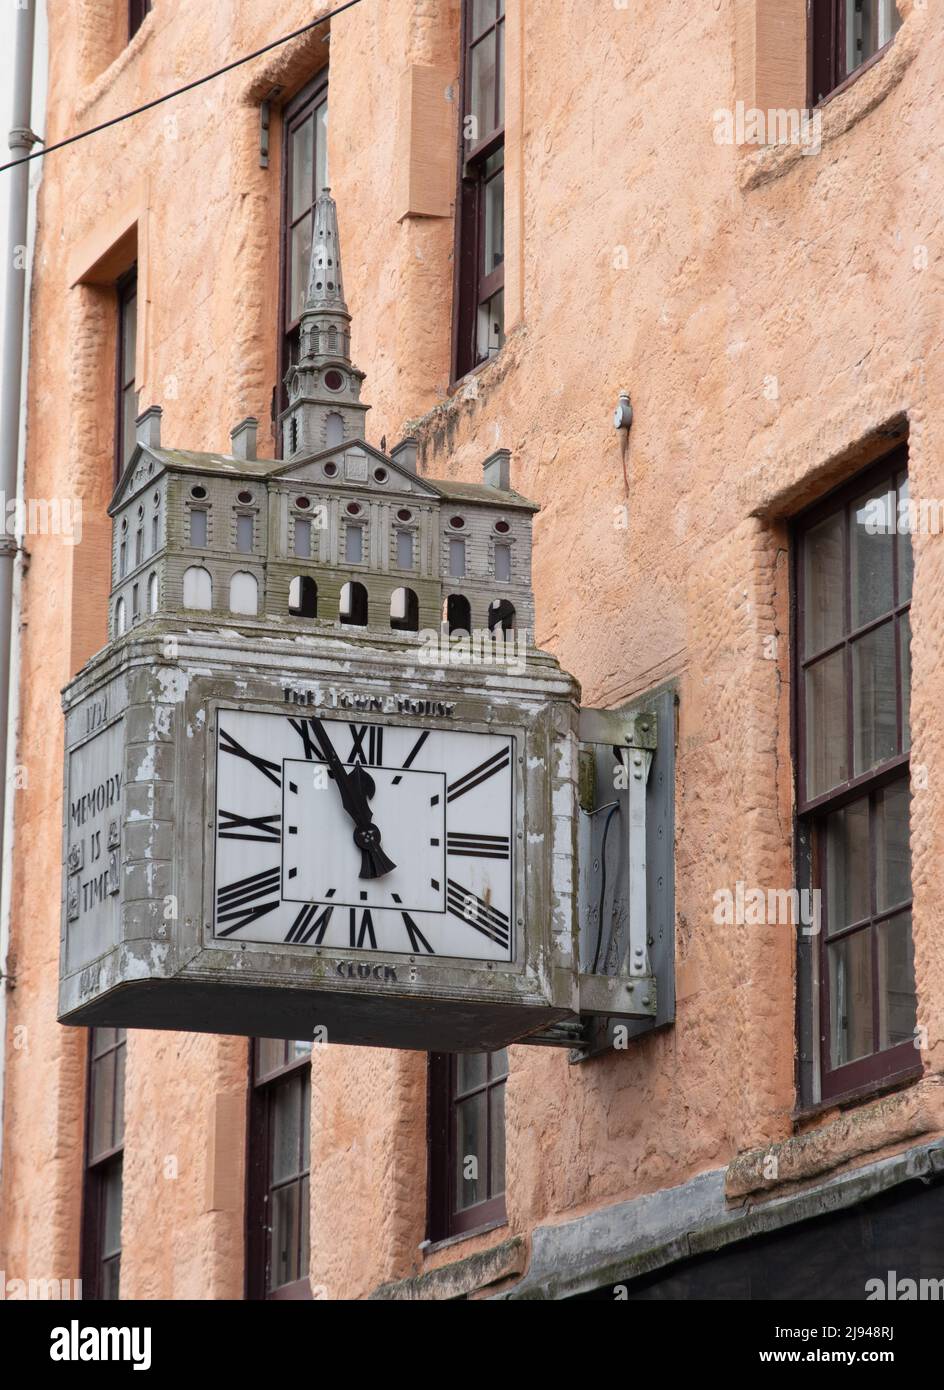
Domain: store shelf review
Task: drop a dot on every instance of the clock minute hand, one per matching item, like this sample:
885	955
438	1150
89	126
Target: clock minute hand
374	862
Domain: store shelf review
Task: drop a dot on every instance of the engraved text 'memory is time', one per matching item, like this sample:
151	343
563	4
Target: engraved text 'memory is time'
372	704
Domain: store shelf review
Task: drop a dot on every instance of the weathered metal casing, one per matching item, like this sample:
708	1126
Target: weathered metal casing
138	846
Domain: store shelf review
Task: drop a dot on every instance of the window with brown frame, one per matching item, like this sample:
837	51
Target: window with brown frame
304	176
278	1166
126	395
138	10
479	300
104	1146
844	36
466	1150
853	579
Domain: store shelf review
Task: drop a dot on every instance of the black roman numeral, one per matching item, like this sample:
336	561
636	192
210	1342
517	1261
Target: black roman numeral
306	732
308	922
418	941
268	769
366	930
496	763
478	846
243	902
477	913
235	827
373	755
414	751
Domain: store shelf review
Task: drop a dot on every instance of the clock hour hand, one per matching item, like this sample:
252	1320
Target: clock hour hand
354	793
374	862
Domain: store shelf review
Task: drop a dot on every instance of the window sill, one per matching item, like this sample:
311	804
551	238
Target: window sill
461	1280
467	384
844	107
434	1246
848	1099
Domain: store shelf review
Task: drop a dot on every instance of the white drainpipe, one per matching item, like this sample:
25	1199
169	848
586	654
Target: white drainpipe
12	463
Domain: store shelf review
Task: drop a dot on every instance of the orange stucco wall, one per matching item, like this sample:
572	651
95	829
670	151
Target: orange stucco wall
770	312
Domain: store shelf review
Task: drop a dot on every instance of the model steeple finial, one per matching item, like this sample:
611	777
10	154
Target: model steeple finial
325	282
324	387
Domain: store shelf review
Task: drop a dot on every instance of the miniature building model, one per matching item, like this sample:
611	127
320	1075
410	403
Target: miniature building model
337	533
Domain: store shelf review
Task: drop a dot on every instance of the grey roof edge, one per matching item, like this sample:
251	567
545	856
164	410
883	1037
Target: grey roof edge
197	461
619	1243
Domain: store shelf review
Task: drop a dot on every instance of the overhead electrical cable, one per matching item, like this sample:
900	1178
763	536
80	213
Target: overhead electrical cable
179	91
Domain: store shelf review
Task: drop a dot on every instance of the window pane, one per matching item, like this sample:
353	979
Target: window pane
111	1276
303	155
892	848
850	998
306	1122
496	1136
503	562
456	559
826	761
302	1048
470	1151
270	1056
874	702
471	1069
321	148
494	222
129	338
285	1252
904	637
405	550
498	1063
198	529
869	26
873	555
304	1255
823	585
897	1004
299	267
905	548
286	1128
129	414
103	1040
847	865
103	1093
482	80
483	14
244	534
111	1208
302	539
491	334
354	545
118	1132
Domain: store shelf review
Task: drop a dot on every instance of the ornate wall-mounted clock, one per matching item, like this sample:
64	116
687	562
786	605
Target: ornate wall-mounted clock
321	777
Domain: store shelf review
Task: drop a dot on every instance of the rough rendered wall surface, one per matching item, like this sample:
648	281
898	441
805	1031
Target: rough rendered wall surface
769	312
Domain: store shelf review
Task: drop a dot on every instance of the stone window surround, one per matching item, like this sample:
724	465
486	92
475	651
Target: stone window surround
772	74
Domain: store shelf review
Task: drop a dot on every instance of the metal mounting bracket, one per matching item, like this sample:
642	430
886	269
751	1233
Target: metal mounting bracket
615	977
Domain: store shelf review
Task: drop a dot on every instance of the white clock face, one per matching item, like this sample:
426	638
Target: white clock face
339	834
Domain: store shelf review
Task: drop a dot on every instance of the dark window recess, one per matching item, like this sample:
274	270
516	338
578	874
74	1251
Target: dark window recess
104	1144
844	35
138	10
479	297
458	614
404	611
853	580
353	609
304	175
279	1161
466	1166
126	395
